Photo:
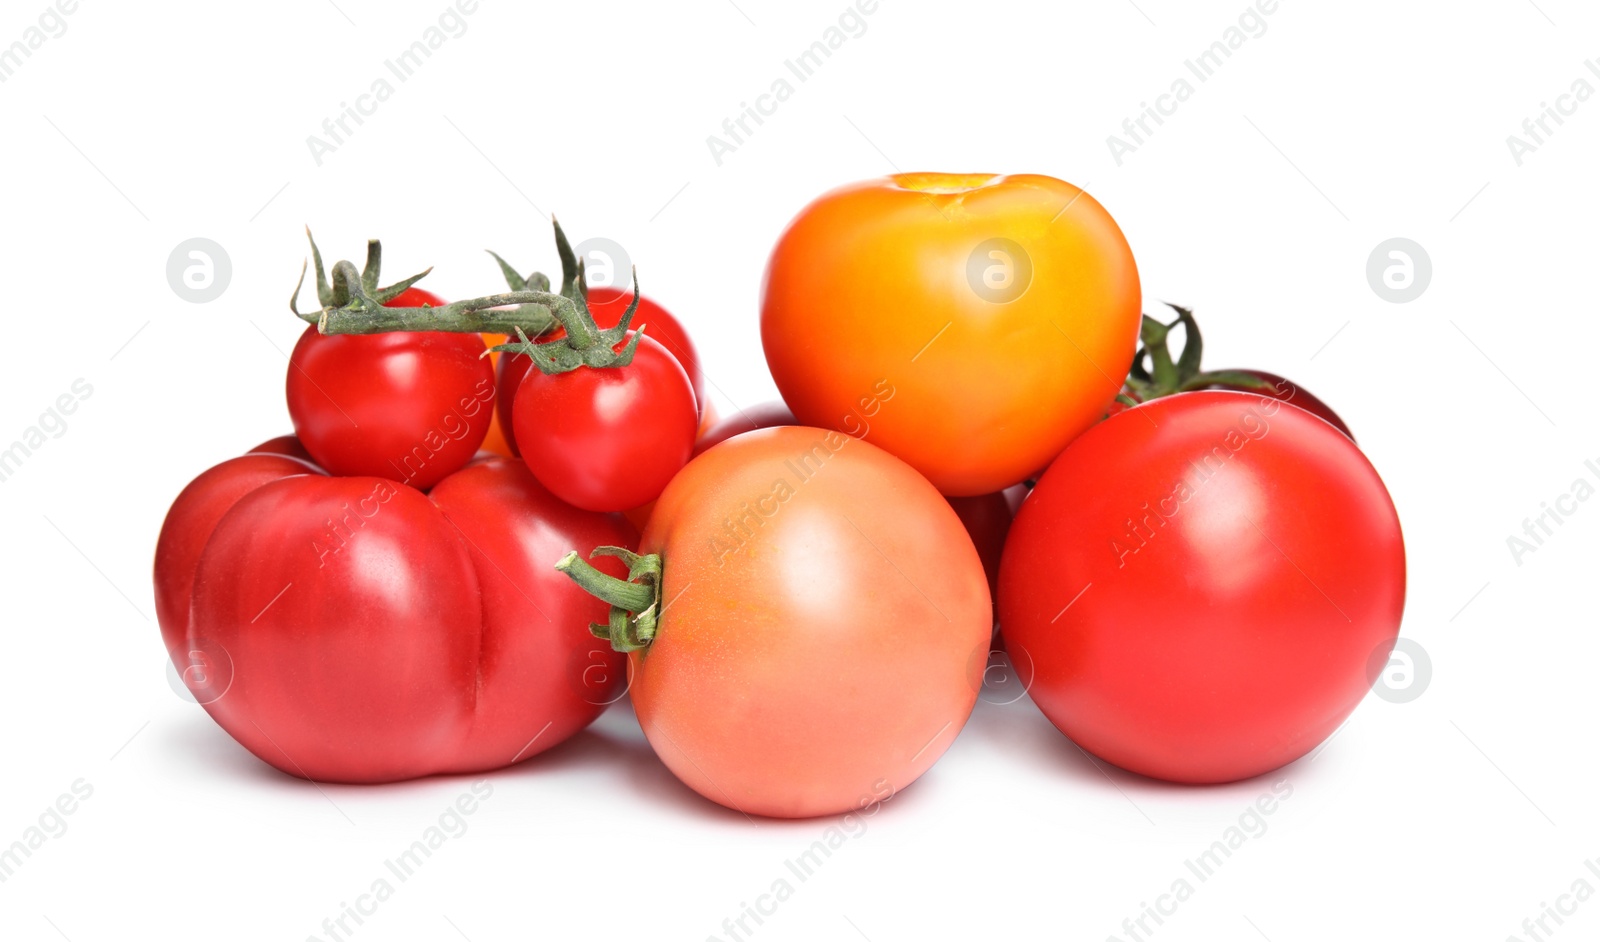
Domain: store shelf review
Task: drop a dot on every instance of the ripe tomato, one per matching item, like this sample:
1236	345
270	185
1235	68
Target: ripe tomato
987	519
350	629
410	407
608	438
1003	309
1284	390
607	305
1199	583
824	625
762	415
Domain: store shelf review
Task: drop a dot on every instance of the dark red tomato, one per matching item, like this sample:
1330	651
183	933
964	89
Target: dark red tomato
1200	583
351	629
407	406
608	439
987	519
763	415
606	305
1286	391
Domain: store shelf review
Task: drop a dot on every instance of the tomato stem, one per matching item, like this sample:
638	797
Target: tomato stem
352	303
634	602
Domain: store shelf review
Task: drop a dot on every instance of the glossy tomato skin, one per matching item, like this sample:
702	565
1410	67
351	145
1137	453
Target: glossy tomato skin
189	524
608	439
536	657
1200	584
761	415
402	635
407	406
827	628
993	377
607	305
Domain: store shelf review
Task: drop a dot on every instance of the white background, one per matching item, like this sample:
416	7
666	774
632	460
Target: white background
1457	815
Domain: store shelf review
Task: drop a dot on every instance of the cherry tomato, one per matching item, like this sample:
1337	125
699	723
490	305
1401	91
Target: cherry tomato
1199	584
410	407
1003	309
762	415
608	438
824	626
607	305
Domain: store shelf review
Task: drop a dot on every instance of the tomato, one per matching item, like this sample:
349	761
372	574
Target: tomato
407	406
762	415
351	629
1156	373
987	519
1200	583
1284	391
606	305
608	438
1003	309
824	625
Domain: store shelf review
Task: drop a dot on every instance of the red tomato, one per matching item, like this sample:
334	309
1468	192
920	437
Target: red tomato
608	438
1199	584
1285	391
987	519
824	625
407	406
606	305
763	415
350	629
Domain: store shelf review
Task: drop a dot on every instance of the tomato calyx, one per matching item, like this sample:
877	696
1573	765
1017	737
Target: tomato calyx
1164	376
584	343
349	286
635	602
352	303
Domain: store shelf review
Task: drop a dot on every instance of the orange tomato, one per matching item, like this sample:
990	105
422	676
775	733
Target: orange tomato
824	624
970	324
495	441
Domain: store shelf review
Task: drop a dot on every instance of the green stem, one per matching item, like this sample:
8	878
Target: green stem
635	601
